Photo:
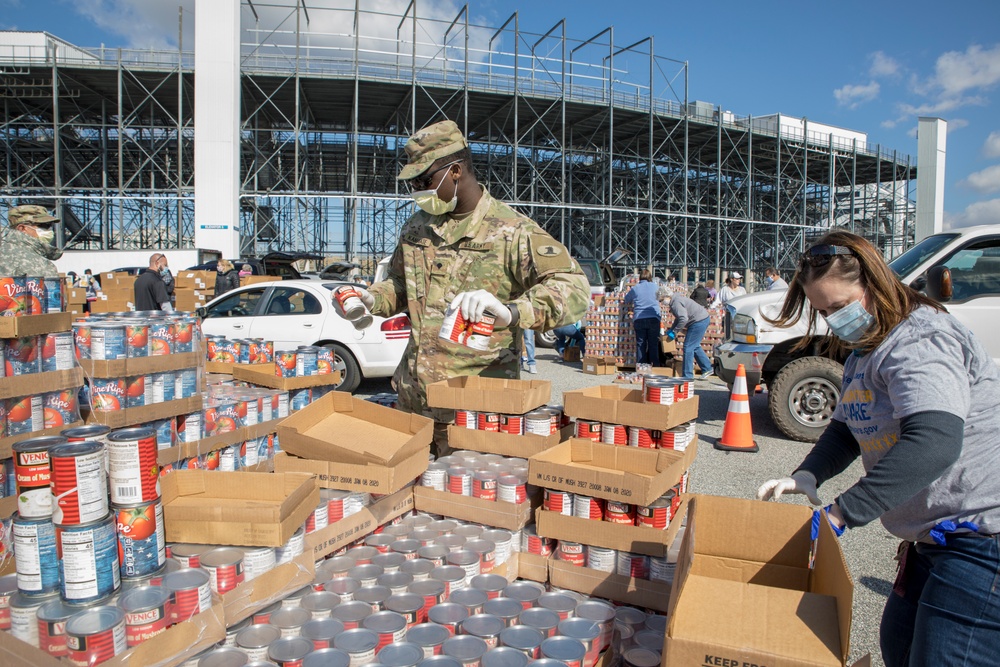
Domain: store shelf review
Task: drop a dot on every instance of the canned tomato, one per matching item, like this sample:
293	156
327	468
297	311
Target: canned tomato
190	593
306	361
23	355
146	613
284	364
107	341
61	408
138	391
96	635
457	329
255	639
161	337
585	428
619	512
571	552
560	502
108	394
13	296
137	339
185	383
134	471
512	424
224	567
35	558
512	489
326	361
82	339
163	386
35	298
466	419
359	644
58	352
25	415
32	475
52	617
185	330
88	560
538	422
488	421
141	543
79	483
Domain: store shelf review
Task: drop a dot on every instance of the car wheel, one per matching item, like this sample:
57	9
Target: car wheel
545	339
343	361
803	396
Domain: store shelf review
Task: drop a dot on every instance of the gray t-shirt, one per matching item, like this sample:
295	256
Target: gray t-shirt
930	362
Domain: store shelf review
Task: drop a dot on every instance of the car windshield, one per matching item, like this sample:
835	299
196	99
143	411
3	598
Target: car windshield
915	256
592	271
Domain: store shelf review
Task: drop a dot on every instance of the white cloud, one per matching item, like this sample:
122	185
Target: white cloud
143	24
851	95
957	124
980	213
957	72
883	65
991	148
985	181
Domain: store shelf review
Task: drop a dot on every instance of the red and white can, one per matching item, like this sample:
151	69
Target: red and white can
471	334
466	419
96	635
488	421
225	568
512	489
190	593
146	613
512	424
460	481
535	544
573	553
656	515
586	507
484	485
643	438
633	565
658	391
619	512
133	469
79	483
538	422
350	302
52	617
585	428
614	434
558	501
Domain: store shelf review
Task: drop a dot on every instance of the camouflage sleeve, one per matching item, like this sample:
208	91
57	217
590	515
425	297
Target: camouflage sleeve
556	291
390	294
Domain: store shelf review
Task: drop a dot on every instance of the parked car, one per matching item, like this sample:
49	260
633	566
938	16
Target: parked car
278	264
300	312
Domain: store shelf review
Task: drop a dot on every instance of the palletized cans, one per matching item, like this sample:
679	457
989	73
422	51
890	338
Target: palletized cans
146	613
525	638
25	415
468	650
536	544
390	626
600	558
585	428
567	650
471	334
82	339
24	615
324	657
487	554
224	567
560	502
359	644
408	605
13	290
187	555
96	635
644	438
289	651
107	341
503	543
435	476
108	394
524	592
289	620
60	408
614	434
255	639
35	558
633	565
586	507
35	304
161	337
679	437
460	481
23	355
138	391
488	421
58	352
88	560
484	485
306	361
466	419
658	391
512	489
52	617
33	475
512	424
257	561
8	587
190	593
284	364
79	482
428	636
616	511
53	294
485	626
655	515
350	613
573	553
141	541
538	422
137	339
134	470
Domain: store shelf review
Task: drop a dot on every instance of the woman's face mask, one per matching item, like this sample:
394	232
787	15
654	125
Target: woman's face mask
851	322
430	202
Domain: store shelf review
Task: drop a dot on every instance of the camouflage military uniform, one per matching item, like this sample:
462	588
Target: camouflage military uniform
22	254
494	248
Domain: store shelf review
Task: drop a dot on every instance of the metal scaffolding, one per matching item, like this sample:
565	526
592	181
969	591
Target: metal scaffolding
596	140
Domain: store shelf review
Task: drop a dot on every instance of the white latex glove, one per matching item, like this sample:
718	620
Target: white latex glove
800	482
474	304
366	297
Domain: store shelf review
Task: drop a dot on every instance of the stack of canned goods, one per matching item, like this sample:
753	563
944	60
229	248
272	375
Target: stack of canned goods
656	515
304	361
544	421
483	476
30	295
113	336
677	438
335	505
239	351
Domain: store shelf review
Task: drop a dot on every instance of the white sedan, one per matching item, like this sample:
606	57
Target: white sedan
300	312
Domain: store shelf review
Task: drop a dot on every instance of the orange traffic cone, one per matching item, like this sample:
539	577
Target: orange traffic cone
737	434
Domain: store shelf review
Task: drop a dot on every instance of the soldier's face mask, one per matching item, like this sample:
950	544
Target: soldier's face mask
45	234
430	202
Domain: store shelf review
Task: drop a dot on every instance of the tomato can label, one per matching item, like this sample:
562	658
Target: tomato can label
58	352
108	394
81	336
53	295
23	355
471	334
13	293
35	555
25	415
184	335
107	342
133	467
141	542
138	391
137	339
161	338
284	364
88	560
79	483
35	302
61	408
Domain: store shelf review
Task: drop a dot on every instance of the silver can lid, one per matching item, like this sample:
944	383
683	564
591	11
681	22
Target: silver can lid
323	629
464	647
384	622
503	607
522	637
357	640
257	636
224	656
542	619
482	625
427	634
94	620
557	602
289	649
327	657
504	657
580	628
401	654
447	613
641	657
567	649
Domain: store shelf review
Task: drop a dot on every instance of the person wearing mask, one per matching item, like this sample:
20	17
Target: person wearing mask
464	251
774	279
731	290
645	319
92	286
26	247
227	278
691	318
150	290
919	407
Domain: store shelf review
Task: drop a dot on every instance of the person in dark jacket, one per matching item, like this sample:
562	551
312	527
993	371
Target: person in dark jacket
700	295
150	291
228	278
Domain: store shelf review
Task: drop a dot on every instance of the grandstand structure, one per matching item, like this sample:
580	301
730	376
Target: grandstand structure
595	138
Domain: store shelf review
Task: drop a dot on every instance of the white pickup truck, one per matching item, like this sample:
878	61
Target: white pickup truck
960	268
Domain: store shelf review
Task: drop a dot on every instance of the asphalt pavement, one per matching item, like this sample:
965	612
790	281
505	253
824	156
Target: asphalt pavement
869	551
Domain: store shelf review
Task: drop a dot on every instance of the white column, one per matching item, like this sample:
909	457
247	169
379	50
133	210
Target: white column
217	126
932	134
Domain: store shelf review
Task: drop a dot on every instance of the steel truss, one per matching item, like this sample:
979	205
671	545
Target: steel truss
597	141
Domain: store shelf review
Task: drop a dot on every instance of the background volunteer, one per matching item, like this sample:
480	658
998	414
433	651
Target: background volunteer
645	319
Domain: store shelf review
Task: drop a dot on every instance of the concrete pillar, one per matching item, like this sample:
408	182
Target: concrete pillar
217	126
932	134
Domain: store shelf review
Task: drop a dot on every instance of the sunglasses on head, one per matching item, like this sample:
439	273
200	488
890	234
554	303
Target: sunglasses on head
821	255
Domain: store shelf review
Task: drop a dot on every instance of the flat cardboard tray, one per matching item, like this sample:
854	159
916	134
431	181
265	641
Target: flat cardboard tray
473	392
509	516
505	444
40	383
616	404
372	478
263	376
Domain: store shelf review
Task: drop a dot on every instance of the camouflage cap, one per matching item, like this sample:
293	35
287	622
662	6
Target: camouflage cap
29	214
429	144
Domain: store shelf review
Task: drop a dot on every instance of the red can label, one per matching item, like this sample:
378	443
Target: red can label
512	424
134	471
618	512
572	553
187	602
654	516
466	419
471	334
558	501
88	650
13	293
143	625
108	395
137	340
284	364
484	487
488	421
161	338
79	488
588	429
35	297
644	438
52	638
224	578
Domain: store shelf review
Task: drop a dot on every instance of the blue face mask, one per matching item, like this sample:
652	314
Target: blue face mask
769	280
851	322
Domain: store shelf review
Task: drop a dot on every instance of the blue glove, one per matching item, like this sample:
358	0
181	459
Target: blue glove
815	523
671	335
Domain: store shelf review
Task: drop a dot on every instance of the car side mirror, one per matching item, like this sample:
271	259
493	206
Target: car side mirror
939	285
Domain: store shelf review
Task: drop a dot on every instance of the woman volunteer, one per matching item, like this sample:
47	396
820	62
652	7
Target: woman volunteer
919	405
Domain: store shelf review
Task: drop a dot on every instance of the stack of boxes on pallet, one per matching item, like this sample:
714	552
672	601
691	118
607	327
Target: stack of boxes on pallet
117	294
193	289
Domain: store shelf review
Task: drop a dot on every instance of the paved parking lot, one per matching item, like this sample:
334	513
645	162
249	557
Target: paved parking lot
869	550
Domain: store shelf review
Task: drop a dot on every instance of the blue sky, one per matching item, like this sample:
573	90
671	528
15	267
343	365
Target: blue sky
870	66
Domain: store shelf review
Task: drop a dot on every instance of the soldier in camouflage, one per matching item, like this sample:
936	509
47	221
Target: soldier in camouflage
26	245
465	249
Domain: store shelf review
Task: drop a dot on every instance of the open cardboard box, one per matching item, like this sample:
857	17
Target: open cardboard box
744	590
342	429
34	325
242	509
505	444
40	383
641	593
620	405
473	392
147	413
656	370
605	365
628	474
372	478
509	516
96	368
263	375
341	533
226	368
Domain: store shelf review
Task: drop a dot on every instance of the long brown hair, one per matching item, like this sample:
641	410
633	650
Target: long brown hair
889	300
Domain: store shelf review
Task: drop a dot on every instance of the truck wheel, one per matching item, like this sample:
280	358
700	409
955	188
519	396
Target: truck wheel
803	396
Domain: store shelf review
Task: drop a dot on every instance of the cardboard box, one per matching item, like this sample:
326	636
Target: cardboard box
667	346
373	478
139	365
76	295
739	558
263	375
253	280
195	279
147	413
628	474
212	507
472	392
627	590
251	596
342	429
6	443
621	405
39	383
505	444
509	516
34	325
533	567
341	533
606	365
635	379
571	354
106	305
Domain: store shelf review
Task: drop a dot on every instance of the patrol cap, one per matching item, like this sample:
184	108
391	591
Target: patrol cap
429	144
29	214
